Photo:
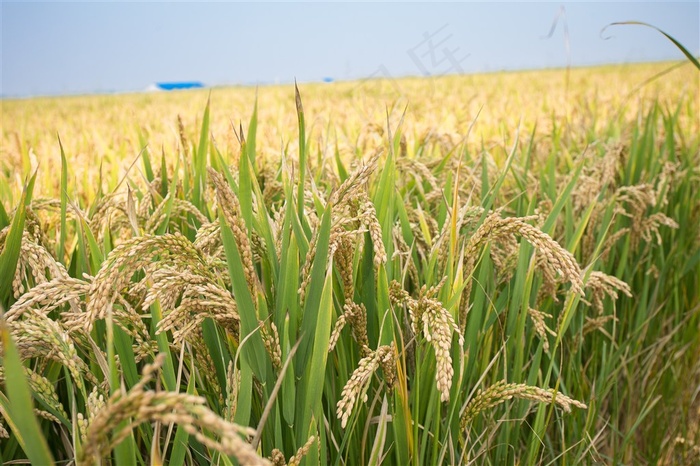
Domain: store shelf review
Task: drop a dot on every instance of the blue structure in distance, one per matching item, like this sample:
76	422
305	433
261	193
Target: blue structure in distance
179	85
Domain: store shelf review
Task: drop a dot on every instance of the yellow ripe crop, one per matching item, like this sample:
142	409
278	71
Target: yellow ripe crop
350	116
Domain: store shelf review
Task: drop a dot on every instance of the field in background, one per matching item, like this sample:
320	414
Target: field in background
598	104
488	269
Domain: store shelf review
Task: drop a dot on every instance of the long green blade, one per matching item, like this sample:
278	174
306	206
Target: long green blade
64	203
13	244
313	296
680	46
21	408
316	369
302	155
254	349
200	160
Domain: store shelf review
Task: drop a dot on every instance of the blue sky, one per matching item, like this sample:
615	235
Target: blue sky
68	48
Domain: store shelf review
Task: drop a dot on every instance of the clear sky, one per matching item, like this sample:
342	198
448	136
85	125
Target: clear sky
67	48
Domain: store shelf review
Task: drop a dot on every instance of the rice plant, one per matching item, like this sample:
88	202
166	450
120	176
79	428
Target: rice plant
349	291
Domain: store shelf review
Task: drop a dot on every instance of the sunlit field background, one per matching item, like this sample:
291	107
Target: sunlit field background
497	268
597	105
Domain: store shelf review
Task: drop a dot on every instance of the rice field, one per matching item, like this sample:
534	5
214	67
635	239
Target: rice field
486	269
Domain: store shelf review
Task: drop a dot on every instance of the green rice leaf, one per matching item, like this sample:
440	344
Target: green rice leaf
254	350
179	451
314	378
64	203
20	407
200	160
376	455
314	294
13	244
302	155
4	218
145	155
680	46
